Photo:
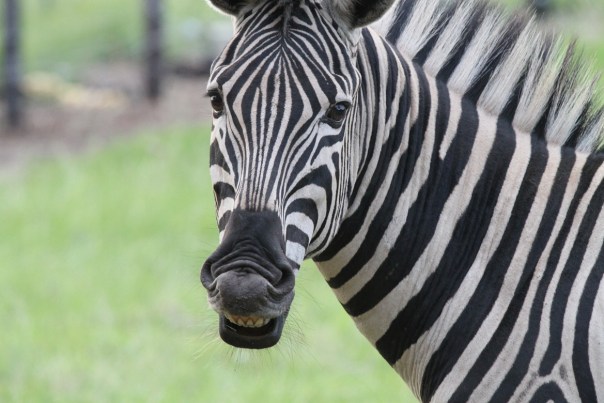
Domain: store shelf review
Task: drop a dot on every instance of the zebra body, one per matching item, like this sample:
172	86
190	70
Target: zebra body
456	215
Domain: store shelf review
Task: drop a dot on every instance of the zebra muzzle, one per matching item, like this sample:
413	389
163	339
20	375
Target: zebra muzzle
250	281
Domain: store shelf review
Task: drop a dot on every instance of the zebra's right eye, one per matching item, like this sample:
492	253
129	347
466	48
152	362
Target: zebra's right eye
337	113
217	103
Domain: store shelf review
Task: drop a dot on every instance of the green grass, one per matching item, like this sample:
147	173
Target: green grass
100	298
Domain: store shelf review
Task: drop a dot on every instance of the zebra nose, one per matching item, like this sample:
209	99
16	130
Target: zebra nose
242	292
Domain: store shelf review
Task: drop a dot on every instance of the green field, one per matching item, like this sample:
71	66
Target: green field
100	298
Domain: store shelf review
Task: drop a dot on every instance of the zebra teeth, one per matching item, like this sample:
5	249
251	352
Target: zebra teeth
247	321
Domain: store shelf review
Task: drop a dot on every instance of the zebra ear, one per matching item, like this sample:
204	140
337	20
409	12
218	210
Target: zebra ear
231	7
359	13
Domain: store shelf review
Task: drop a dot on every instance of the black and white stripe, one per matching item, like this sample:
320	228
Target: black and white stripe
458	211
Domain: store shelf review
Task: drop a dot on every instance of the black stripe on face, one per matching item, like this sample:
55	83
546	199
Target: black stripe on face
216	156
294	234
305	206
224	220
223	190
322	178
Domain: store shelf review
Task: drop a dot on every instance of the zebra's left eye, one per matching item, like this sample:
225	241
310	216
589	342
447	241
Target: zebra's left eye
337	113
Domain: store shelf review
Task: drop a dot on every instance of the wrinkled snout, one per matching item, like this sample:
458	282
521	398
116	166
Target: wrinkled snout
250	281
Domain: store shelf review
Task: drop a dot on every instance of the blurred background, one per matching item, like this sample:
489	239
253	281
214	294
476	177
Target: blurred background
106	215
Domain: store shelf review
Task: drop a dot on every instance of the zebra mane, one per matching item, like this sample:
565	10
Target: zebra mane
507	65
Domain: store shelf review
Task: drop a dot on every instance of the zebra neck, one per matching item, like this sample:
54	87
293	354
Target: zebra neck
451	206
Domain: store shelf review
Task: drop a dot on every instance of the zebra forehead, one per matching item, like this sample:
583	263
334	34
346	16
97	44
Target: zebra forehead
300	28
283	16
286	62
259	50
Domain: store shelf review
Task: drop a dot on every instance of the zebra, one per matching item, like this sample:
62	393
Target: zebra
439	162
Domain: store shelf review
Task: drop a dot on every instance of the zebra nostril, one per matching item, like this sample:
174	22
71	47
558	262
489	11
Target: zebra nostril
287	280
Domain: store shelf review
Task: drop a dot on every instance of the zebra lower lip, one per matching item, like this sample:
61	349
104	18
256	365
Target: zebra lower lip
251	332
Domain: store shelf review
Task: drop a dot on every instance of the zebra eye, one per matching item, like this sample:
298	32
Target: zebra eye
217	103
337	113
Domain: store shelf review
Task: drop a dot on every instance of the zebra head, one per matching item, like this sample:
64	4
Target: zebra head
283	94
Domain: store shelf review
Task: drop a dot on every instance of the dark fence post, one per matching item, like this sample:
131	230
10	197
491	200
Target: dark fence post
12	63
153	48
541	7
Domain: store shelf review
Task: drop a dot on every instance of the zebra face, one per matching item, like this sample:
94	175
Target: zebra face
283	97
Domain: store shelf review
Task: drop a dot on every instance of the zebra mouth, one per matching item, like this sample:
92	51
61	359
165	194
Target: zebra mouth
251	333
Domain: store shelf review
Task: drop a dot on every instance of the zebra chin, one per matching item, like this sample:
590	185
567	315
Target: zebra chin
250	281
